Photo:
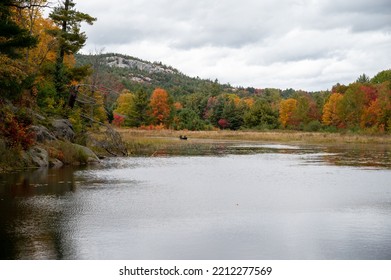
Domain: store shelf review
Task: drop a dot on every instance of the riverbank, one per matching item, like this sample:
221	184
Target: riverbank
52	146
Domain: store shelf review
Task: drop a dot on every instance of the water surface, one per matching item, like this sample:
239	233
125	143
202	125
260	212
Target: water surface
244	201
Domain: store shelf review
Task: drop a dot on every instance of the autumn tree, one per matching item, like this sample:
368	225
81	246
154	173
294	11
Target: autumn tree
338	88
331	112
160	108
45	52
133	107
125	107
371	115
384	99
377	115
287	111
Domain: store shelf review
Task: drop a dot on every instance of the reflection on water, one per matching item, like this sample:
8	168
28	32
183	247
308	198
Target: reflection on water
376	156
30	208
247	201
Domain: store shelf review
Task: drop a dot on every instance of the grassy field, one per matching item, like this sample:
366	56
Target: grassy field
157	142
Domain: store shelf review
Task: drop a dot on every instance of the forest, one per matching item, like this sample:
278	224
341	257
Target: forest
42	76
134	97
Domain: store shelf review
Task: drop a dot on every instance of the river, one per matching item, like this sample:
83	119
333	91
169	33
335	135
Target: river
243	201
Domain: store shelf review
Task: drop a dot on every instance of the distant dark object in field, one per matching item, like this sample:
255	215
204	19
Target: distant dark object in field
184	137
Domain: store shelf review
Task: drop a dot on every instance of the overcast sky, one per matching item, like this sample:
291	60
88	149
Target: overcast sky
303	44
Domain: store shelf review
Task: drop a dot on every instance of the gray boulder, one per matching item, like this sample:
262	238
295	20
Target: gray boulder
42	134
63	129
91	156
55	163
38	156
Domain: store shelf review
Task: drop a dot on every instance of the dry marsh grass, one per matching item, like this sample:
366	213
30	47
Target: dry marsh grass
166	142
267	136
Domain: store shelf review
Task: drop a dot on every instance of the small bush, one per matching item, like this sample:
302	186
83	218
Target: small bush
330	129
10	158
312	126
68	153
14	127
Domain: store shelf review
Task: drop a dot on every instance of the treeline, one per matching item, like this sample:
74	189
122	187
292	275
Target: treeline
363	105
198	104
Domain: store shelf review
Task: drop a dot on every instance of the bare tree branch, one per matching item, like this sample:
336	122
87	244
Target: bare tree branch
26	5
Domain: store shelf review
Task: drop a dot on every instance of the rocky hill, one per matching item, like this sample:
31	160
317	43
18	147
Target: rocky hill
136	64
135	73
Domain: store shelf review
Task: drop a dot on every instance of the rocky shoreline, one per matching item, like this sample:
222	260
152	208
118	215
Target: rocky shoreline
53	148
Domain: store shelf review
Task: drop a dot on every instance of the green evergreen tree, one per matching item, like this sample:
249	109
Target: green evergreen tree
140	108
364	79
233	114
69	36
261	115
188	119
13	38
217	110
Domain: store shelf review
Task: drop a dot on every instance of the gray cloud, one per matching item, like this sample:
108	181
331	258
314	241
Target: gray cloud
358	6
249	42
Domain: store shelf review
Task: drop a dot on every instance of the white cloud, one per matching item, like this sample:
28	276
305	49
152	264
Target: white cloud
305	44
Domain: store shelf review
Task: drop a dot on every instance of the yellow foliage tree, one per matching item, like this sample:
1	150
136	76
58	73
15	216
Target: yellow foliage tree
125	103
249	102
330	114
287	110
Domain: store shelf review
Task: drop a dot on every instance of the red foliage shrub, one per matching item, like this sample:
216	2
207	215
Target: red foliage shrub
15	129
118	120
223	123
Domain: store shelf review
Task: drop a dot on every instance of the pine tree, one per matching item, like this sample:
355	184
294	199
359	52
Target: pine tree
141	106
70	38
13	38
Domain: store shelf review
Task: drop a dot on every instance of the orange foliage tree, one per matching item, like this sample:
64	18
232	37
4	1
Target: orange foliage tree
160	107
378	113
